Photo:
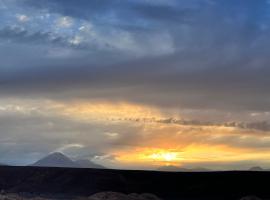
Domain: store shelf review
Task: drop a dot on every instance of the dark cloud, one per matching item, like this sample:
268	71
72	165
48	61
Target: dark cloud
259	126
218	63
242	87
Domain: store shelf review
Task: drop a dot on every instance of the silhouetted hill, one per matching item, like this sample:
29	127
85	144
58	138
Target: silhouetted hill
230	185
55	160
250	198
180	169
60	160
84	163
257	168
171	169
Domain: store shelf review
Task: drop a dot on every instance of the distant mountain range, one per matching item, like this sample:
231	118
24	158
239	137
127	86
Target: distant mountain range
200	169
257	168
1	164
180	169
84	163
60	160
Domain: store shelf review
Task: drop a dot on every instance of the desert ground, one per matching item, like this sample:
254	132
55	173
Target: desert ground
105	184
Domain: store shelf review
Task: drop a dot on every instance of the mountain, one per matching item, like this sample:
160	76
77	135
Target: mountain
55	160
60	160
180	169
84	163
200	169
171	168
257	168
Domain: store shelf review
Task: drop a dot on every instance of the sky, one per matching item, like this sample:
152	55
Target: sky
136	84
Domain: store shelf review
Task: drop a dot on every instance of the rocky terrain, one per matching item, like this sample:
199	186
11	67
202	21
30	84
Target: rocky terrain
97	196
101	196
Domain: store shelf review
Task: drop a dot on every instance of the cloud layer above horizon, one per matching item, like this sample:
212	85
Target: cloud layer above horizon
103	79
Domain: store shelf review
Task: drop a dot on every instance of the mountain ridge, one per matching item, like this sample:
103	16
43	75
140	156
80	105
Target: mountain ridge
57	159
180	169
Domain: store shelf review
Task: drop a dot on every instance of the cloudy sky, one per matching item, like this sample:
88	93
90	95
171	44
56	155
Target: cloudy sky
136	84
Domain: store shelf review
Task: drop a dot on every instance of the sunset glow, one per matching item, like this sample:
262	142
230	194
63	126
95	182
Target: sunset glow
164	156
136	84
138	135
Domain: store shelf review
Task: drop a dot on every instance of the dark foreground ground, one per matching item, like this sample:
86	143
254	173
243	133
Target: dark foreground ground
167	185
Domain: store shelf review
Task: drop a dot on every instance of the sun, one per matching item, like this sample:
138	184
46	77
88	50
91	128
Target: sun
165	156
169	156
152	156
